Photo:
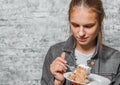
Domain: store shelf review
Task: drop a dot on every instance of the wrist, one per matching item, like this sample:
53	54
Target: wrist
57	82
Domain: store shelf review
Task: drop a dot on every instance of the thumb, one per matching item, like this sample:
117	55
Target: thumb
63	55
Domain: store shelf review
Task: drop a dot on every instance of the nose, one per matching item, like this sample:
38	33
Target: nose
81	31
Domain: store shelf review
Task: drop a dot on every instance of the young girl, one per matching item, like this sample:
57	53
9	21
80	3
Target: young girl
84	46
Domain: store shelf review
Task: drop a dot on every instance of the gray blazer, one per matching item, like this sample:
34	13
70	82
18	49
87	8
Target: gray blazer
106	62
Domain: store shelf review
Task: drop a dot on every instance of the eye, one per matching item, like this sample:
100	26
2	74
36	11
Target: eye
75	25
89	25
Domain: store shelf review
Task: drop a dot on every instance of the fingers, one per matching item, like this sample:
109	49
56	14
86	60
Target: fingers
61	58
63	55
62	62
58	67
59	64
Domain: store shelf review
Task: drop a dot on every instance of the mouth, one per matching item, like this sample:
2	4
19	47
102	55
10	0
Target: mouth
83	39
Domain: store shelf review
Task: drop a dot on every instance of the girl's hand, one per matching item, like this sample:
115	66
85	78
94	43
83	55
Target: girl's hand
58	68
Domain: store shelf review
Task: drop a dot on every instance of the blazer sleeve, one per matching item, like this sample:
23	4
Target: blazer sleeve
47	77
116	79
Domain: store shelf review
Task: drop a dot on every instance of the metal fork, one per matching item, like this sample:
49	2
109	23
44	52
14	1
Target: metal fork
72	68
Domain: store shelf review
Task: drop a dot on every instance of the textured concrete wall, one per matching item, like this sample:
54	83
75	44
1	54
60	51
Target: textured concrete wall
29	27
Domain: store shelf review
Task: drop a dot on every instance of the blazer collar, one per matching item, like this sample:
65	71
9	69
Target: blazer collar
71	43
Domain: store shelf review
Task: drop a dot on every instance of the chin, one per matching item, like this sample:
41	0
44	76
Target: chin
83	43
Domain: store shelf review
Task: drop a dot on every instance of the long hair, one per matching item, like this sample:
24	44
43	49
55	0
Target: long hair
94	5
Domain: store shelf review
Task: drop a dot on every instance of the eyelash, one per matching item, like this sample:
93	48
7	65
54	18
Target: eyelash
75	25
89	26
84	26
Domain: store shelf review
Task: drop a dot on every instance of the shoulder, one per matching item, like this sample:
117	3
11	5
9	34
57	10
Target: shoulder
109	49
59	45
110	52
56	49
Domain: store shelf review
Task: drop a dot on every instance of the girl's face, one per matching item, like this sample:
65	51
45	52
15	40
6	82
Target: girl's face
84	25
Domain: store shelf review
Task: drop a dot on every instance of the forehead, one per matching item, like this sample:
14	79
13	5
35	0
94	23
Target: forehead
83	14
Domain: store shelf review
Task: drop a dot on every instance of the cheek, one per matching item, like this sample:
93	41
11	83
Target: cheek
92	32
74	30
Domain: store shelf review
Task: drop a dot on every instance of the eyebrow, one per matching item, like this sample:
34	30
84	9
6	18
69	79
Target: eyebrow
85	24
90	24
73	23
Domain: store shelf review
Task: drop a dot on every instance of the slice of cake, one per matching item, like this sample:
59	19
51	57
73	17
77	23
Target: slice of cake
80	75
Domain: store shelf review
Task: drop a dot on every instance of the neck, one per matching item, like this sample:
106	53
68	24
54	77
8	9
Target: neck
86	49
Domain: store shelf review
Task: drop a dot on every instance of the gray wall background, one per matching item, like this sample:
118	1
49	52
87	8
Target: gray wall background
29	27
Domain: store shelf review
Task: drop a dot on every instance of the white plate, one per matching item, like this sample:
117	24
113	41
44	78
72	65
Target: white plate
94	79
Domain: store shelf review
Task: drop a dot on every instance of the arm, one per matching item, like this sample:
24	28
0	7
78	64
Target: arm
47	78
53	69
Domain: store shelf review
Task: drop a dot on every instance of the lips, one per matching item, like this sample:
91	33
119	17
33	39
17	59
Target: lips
82	39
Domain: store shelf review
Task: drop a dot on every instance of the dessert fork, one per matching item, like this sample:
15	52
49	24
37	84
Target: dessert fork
72	68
